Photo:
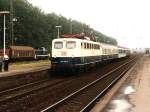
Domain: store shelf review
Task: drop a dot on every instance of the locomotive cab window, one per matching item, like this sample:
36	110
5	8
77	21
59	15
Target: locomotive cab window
58	45
70	44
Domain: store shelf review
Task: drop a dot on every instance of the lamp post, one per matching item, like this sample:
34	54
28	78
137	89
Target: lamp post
13	37
11	23
4	13
58	27
70	26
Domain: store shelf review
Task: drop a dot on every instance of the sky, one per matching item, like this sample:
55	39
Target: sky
128	21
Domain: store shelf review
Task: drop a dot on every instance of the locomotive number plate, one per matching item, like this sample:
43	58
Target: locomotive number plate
63	53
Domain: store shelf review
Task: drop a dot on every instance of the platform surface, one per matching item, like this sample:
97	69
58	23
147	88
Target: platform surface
134	94
19	68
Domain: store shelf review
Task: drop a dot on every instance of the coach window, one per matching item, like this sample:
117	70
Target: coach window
70	44
82	45
87	45
98	46
58	45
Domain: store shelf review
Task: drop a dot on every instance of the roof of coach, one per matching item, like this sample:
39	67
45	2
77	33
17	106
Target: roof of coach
124	48
108	45
22	48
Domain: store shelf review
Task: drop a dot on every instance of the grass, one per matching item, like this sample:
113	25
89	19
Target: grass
29	64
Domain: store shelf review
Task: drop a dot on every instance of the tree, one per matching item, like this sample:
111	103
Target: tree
37	29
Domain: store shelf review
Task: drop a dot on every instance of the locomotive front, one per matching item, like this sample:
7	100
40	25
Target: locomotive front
65	53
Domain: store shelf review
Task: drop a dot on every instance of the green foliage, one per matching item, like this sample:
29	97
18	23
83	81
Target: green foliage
104	39
35	28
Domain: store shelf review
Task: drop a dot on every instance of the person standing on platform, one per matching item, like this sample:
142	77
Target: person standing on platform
6	63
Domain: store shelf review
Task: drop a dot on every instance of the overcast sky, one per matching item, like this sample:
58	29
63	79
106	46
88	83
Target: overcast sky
126	20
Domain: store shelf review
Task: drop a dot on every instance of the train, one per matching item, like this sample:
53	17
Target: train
78	52
24	53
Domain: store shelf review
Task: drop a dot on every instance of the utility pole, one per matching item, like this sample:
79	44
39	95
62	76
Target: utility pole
11	23
58	31
83	28
70	26
4	43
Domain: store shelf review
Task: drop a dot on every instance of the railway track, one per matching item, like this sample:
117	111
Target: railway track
26	89
24	78
76	101
23	90
45	92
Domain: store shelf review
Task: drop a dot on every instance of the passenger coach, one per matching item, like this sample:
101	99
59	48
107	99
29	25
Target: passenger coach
123	52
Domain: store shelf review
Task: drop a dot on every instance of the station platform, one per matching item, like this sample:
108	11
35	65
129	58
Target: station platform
20	68
133	94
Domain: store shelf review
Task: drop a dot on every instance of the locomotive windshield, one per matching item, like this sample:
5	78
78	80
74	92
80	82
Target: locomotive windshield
70	44
58	45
